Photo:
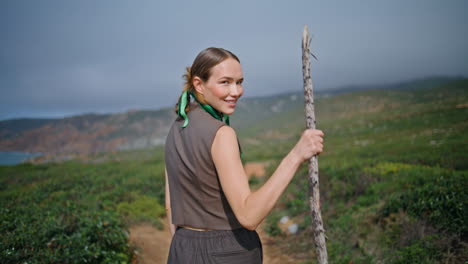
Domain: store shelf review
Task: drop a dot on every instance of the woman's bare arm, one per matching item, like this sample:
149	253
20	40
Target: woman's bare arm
249	207
168	205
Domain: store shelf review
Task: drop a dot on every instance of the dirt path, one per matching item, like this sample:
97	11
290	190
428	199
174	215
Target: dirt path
152	245
271	254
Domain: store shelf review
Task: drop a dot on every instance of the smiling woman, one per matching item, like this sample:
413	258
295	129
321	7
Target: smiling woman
212	212
224	87
215	81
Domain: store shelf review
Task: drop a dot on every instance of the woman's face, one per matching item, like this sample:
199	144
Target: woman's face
224	87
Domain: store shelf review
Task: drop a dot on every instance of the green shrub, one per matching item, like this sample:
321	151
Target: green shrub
143	208
433	193
71	235
420	252
74	212
271	225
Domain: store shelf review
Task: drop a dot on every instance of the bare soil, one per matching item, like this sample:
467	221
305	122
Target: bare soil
255	169
151	245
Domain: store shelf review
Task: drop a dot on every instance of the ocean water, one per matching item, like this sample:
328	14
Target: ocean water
14	157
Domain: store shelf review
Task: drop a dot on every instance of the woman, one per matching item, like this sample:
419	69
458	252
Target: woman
208	198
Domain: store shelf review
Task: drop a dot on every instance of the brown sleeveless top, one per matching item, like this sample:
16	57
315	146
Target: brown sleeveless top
197	199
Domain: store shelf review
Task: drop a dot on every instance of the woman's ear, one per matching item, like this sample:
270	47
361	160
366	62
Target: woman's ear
198	84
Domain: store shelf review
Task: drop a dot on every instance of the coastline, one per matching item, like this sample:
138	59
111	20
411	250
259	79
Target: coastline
9	158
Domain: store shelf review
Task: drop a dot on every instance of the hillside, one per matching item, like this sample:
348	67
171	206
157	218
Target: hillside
393	181
86	134
393	175
83	135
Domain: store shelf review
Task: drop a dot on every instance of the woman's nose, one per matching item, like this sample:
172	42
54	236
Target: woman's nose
235	90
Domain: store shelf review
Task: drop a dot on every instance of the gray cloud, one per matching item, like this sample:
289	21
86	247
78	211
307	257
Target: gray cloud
61	58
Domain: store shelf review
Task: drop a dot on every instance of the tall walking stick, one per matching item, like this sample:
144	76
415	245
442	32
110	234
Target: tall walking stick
314	195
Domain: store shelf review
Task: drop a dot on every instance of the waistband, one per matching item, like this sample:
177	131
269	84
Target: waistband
211	233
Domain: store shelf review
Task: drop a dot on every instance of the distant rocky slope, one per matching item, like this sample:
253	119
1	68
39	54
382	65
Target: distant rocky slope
86	134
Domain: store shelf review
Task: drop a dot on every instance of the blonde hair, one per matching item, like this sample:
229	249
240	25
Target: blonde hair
201	67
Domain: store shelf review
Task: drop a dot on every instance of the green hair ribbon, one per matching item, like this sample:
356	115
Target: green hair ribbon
183	102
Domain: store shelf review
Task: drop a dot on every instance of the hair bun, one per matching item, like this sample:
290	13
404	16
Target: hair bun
188	78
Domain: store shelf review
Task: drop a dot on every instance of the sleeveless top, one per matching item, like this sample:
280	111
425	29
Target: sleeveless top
196	196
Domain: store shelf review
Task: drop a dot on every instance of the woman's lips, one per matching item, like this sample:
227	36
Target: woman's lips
231	102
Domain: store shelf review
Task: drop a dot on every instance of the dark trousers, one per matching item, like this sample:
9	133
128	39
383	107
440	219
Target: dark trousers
215	247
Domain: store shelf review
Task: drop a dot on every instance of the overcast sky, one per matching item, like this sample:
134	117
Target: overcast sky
60	58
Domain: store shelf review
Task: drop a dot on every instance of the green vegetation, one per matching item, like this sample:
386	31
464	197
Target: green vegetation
393	182
77	213
393	177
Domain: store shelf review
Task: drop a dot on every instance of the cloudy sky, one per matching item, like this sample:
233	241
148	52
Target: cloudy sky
60	58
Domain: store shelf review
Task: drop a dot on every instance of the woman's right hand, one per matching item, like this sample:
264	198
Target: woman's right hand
310	144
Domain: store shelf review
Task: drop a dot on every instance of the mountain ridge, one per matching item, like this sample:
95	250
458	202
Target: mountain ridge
92	133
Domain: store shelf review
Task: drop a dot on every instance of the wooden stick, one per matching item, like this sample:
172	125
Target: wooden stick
314	194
